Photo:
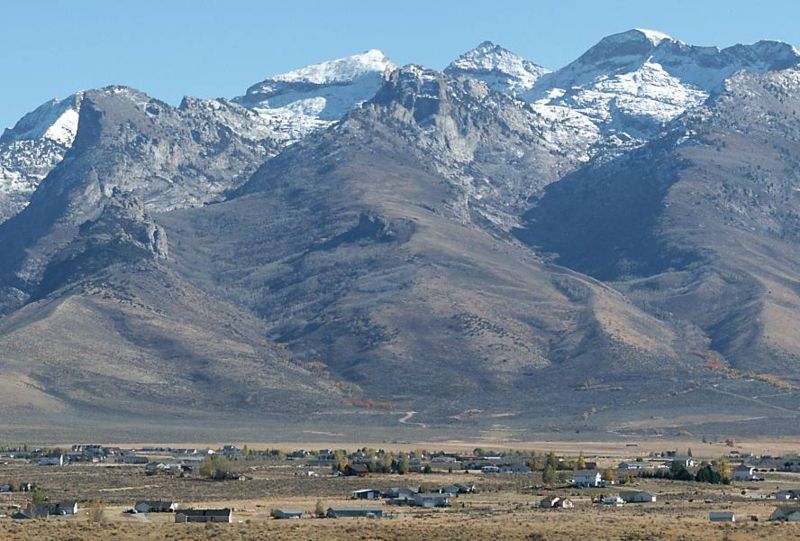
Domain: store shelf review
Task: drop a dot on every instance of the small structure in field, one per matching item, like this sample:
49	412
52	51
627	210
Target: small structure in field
52	460
432	499
745	472
286	513
616	501
722	516
366	494
352	512
556	502
637	496
356	470
786	513
155	506
204	515
63	508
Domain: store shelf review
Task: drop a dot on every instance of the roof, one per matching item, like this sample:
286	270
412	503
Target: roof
206	512
585	473
356	509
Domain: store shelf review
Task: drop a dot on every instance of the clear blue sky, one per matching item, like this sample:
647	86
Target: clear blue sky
208	48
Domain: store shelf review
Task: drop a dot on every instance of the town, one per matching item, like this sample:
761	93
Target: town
151	487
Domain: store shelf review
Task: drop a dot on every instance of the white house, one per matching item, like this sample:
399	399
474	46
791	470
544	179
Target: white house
586	478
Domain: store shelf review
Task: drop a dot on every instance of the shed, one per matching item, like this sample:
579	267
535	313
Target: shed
637	496
287	513
345	512
204	515
432	499
786	513
366	494
155	506
722	516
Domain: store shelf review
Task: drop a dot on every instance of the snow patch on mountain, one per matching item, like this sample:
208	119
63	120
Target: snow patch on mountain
32	148
631	84
316	96
498	67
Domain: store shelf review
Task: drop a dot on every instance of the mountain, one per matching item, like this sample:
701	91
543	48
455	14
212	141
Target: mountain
30	150
701	225
272	115
499	68
313	97
633	83
351	245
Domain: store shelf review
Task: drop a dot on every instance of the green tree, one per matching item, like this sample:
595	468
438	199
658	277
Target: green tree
552	460
38	496
405	463
549	475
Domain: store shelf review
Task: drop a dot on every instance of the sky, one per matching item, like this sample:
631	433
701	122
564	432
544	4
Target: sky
216	48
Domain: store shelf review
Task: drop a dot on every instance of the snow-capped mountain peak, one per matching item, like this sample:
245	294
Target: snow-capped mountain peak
342	70
313	97
499	68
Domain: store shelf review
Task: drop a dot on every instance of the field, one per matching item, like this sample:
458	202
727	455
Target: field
505	507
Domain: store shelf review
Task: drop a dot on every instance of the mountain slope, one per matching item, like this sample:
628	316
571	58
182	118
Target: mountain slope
30	150
703	224
358	255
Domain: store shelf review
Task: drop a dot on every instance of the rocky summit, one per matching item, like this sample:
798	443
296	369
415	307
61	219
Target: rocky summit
609	247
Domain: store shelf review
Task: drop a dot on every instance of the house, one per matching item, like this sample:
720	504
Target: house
786	513
52	460
287	513
637	496
616	501
359	470
722	516
586	478
204	515
685	461
431	499
155	506
556	502
63	508
787	495
744	472
350	512
366	494
33	512
400	493
490	469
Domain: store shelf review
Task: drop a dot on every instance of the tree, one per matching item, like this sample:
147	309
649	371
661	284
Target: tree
14	484
707	474
581	465
552	460
386	462
609	475
689	452
38	496
404	464
340	460
724	467
549	475
319	510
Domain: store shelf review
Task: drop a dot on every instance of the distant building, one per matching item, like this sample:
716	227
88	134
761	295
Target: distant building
155	506
345	512
52	460
432	499
637	496
744	472
722	516
786	513
616	501
586	478
287	513
63	508
204	515
400	493
366	494
358	470
556	502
